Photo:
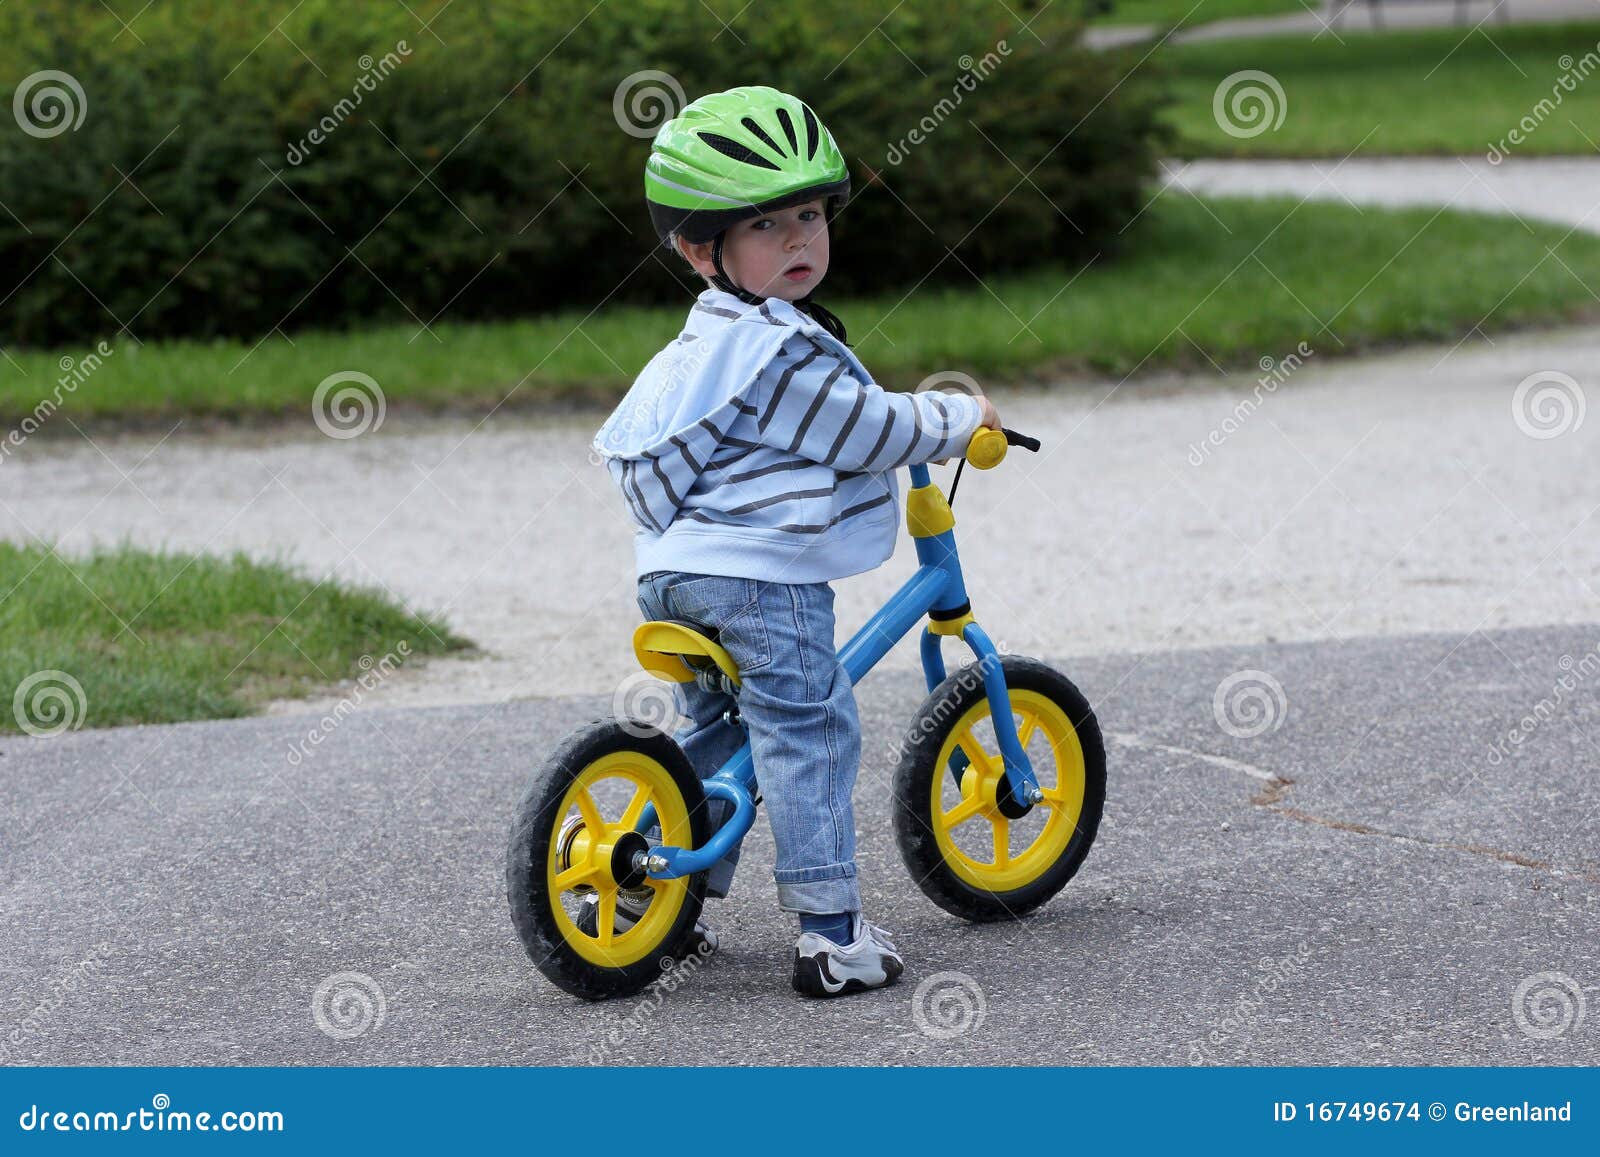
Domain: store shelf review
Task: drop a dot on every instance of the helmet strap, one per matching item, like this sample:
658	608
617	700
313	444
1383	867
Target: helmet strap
824	317
818	313
725	283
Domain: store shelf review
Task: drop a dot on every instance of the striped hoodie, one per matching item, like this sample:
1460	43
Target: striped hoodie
756	445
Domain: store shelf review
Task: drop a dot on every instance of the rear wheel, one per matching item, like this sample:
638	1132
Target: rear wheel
967	845
574	836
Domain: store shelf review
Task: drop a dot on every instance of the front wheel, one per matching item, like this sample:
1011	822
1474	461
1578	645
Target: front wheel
968	846
572	847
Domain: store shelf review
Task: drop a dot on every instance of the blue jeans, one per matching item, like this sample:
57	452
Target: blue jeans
799	710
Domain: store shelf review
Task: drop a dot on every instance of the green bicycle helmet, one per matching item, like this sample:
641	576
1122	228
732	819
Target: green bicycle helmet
739	154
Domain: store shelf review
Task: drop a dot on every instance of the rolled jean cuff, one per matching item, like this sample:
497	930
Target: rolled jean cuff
822	890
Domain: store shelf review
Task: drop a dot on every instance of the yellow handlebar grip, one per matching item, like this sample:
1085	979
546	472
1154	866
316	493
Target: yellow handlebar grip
987	448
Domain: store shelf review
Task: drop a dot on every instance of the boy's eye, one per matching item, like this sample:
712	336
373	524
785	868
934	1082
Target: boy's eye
805	215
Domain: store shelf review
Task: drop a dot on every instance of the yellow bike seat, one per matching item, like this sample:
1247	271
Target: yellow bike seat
673	650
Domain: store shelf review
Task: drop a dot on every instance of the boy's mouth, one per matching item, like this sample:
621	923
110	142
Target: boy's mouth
798	272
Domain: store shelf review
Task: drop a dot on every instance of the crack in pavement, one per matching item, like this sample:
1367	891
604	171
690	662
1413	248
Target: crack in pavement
1277	787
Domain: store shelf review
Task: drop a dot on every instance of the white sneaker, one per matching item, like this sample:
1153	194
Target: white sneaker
823	968
632	903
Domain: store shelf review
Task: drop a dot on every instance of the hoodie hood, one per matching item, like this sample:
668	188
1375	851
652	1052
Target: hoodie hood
696	379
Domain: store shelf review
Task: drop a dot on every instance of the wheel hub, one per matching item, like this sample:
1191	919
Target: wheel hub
995	789
1006	802
630	847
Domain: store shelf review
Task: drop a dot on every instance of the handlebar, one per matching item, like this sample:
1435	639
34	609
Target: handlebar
988	446
1015	439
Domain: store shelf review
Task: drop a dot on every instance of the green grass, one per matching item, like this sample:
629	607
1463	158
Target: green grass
158	637
1220	276
1441	91
1225	289
1167	12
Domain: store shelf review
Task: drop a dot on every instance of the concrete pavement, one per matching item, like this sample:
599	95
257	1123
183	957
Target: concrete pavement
1363	882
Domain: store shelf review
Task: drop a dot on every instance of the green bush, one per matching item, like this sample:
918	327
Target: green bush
486	176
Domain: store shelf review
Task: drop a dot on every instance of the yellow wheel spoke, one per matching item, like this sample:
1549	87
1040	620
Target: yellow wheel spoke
1002	841
590	813
574	875
963	811
607	914
630	817
1061	797
979	757
1025	729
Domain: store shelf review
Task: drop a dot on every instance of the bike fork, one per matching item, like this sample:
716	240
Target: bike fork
1025	790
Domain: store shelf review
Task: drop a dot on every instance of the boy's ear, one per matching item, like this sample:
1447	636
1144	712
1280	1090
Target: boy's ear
697	254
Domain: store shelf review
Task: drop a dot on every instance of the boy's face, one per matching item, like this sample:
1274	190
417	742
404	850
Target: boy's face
782	254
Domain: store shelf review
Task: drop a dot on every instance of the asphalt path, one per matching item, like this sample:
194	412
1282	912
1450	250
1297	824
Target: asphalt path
1369	881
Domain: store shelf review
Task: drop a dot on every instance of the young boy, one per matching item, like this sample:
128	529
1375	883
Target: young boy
757	457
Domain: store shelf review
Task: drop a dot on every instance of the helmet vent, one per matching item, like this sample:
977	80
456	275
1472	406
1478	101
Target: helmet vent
734	149
757	130
811	132
788	129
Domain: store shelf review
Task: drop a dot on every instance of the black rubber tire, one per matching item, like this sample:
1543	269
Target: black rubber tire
533	829
913	825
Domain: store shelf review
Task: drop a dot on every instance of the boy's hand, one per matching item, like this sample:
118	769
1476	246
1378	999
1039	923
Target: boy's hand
991	418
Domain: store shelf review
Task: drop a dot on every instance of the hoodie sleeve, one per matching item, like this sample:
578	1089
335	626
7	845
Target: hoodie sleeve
806	402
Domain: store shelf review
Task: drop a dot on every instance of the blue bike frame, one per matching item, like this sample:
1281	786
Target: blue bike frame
937	586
